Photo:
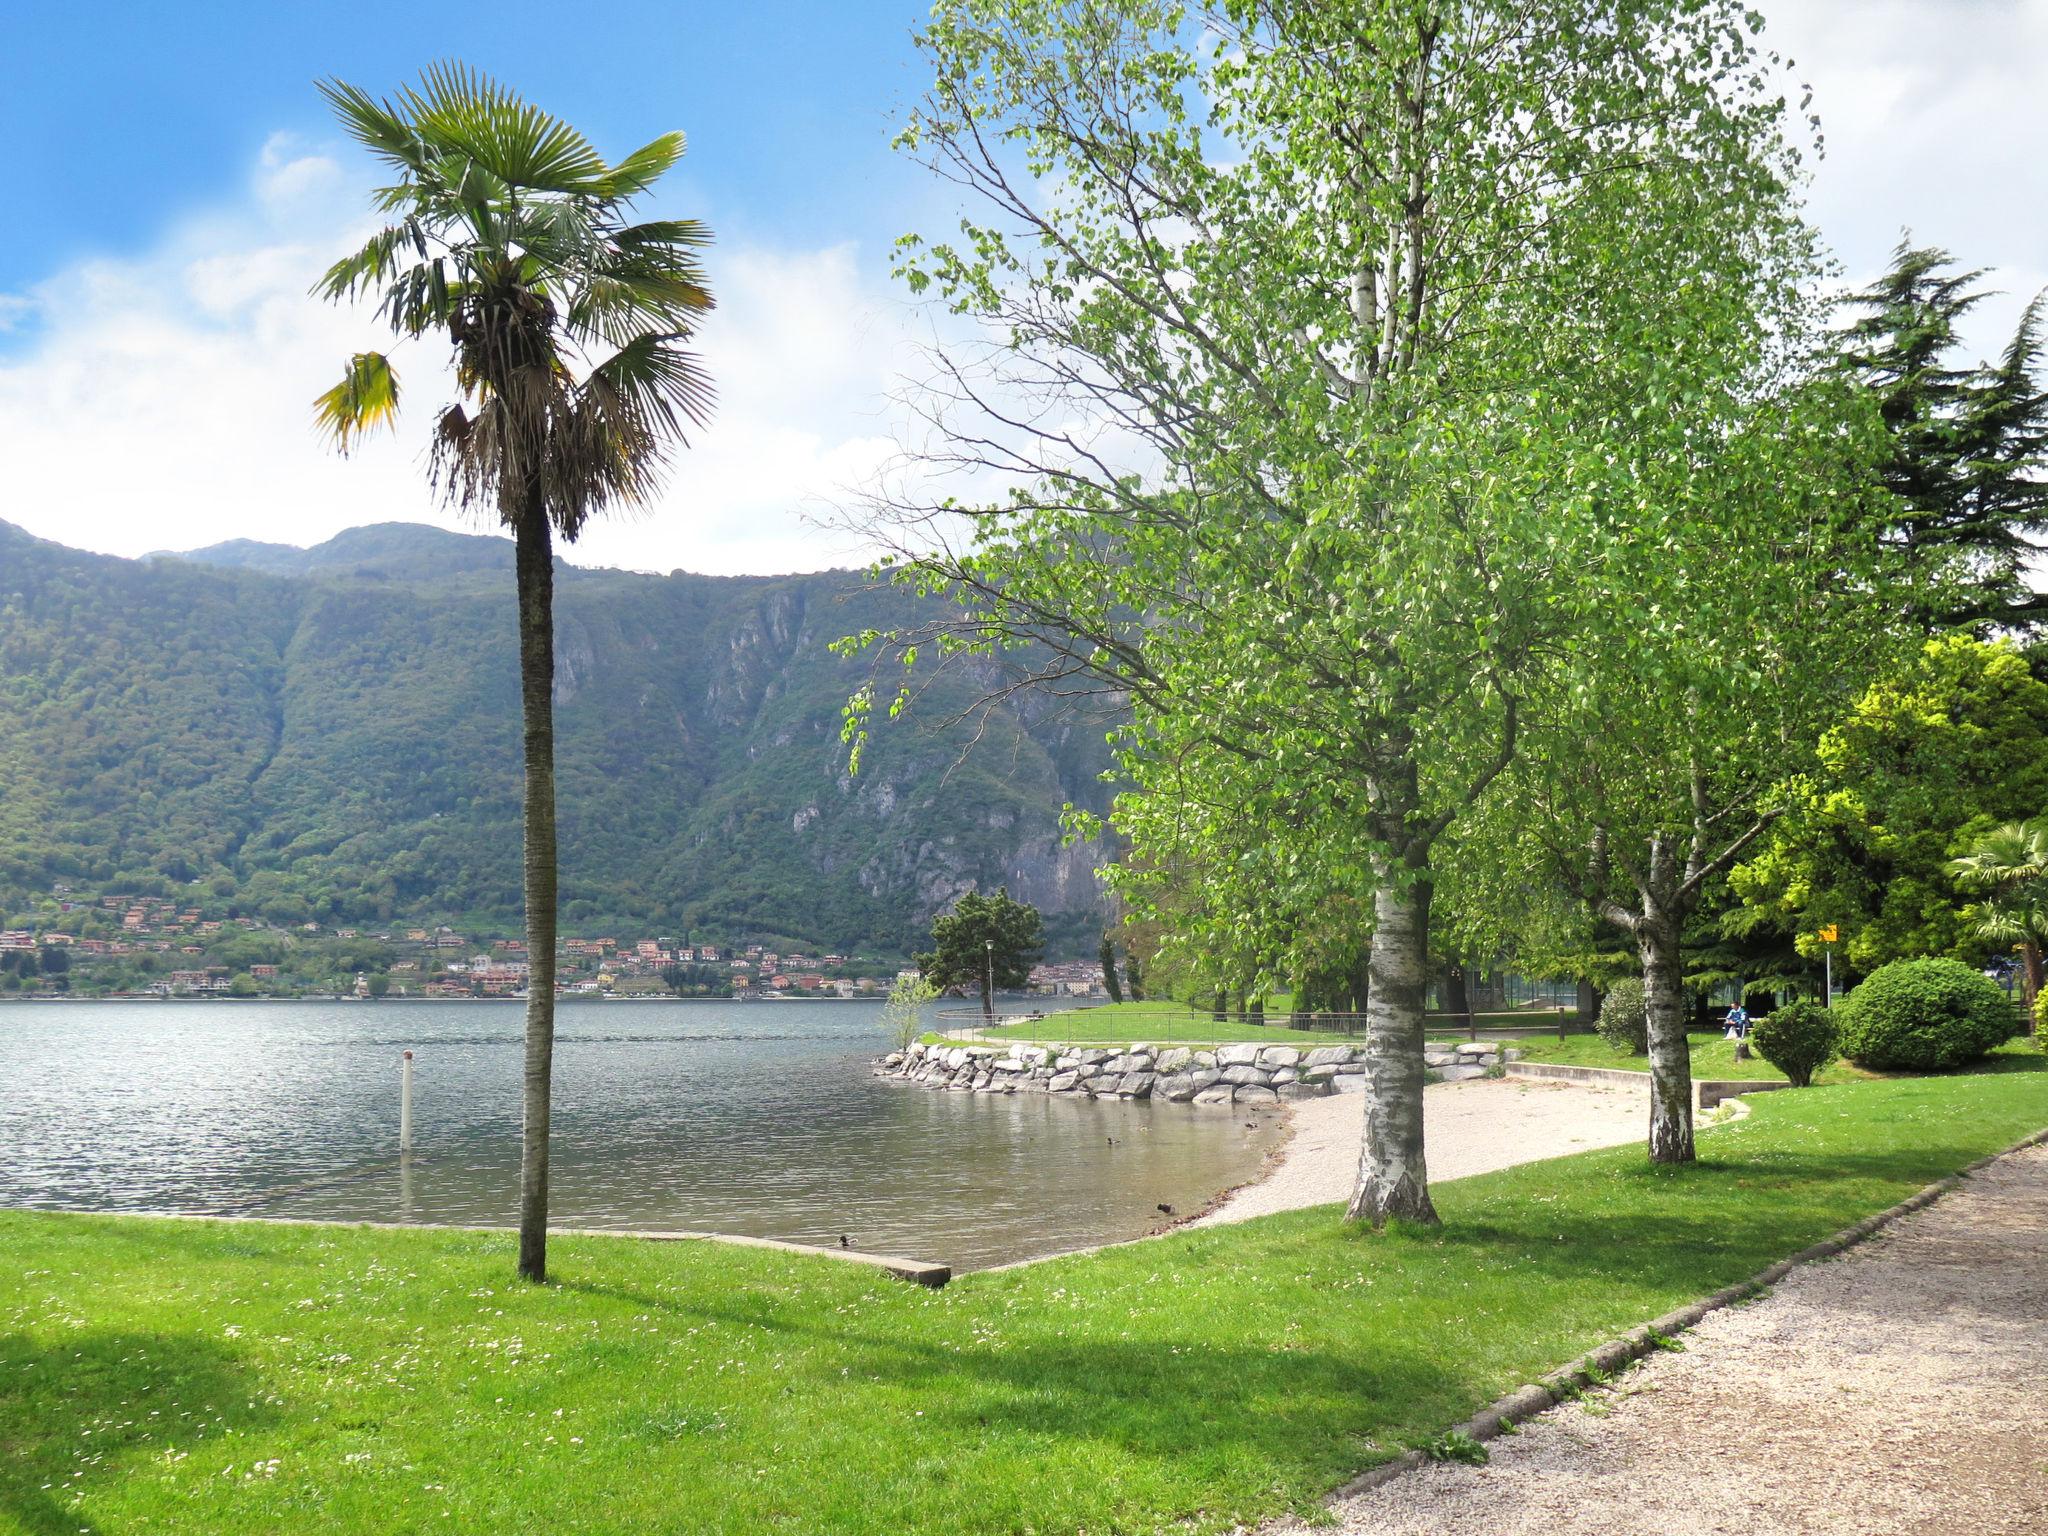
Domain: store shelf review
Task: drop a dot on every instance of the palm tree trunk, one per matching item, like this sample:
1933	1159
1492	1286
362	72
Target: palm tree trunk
1392	1178
1670	1052
536	571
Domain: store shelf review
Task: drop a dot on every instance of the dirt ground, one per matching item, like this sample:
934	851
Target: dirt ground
1899	1390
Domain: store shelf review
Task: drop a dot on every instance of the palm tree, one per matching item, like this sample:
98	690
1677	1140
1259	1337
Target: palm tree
509	235
2010	865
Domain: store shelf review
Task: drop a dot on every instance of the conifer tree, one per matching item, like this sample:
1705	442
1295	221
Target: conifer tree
1970	445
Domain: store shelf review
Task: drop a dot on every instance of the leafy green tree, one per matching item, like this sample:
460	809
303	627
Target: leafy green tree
511	238
1938	750
903	1013
1651	770
1969	445
983	943
1334	379
2008	866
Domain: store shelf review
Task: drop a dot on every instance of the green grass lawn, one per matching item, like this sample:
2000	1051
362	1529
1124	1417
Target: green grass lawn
1171	1023
170	1376
1713	1056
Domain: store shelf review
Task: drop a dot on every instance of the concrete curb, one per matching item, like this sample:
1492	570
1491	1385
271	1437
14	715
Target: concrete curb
916	1271
1526	1401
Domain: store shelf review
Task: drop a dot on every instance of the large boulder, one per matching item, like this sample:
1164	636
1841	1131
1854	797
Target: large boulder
1136	1085
1174	1060
1303	1090
1237	1055
1459	1074
1175	1087
1247	1076
1254	1095
1327	1056
1219	1093
1350	1082
1205	1058
1063	1082
1273	1057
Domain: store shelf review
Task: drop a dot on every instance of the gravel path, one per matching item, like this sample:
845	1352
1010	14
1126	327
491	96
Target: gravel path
1472	1127
1900	1390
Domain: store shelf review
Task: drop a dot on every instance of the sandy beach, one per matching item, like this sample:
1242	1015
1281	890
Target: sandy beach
1473	1127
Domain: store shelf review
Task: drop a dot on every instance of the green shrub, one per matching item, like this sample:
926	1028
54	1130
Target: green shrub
1798	1039
1624	1017
2041	1021
1923	1016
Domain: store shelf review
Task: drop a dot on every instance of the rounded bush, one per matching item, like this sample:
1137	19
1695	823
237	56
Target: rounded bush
1923	1016
2041	1021
1624	1017
1798	1039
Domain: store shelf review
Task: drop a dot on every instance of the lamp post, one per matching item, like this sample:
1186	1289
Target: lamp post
988	992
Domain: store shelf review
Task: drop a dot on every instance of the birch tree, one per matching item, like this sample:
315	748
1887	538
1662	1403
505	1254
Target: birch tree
1304	338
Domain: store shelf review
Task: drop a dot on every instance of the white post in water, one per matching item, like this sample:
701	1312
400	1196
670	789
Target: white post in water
405	1103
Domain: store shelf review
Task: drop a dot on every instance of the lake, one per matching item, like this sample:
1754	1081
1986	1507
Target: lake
751	1118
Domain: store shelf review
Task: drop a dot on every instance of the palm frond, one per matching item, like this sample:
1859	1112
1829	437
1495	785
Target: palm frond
455	107
374	124
644	167
655	381
365	399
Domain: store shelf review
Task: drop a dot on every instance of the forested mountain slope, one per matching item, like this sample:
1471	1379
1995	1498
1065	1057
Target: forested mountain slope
333	734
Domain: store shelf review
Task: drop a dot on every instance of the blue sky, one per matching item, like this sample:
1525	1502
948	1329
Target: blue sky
177	185
137	112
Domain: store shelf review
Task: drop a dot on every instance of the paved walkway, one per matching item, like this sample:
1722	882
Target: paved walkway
1900	1390
1471	1127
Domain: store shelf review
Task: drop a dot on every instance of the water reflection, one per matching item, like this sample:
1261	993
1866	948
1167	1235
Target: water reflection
751	1118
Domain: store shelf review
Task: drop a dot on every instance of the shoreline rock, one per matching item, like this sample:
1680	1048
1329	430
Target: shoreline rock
1244	1073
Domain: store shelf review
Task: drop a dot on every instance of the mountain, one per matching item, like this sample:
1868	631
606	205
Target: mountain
332	734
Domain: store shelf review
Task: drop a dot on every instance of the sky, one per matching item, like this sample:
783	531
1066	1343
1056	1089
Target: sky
177	185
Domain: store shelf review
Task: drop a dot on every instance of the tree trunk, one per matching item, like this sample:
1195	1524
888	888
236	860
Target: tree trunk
988	997
1588	1001
1453	988
1670	1054
1134	977
536	574
1392	1178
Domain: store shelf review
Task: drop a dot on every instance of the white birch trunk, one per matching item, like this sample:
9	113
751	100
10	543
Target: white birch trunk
1393	1180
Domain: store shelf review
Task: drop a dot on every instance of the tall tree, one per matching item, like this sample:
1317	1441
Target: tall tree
1317	328
1938	749
1969	444
1742	629
985	942
511	238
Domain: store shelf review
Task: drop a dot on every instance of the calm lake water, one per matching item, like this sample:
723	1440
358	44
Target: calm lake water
754	1118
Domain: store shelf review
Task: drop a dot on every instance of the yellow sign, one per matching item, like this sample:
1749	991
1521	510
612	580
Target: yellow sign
1827	934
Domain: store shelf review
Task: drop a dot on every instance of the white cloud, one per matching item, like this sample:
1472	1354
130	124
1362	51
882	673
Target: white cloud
163	400
1934	114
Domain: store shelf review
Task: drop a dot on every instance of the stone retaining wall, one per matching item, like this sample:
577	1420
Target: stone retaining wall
1246	1074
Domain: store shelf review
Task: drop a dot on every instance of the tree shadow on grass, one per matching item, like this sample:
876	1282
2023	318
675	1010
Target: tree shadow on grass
1172	1389
78	1407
